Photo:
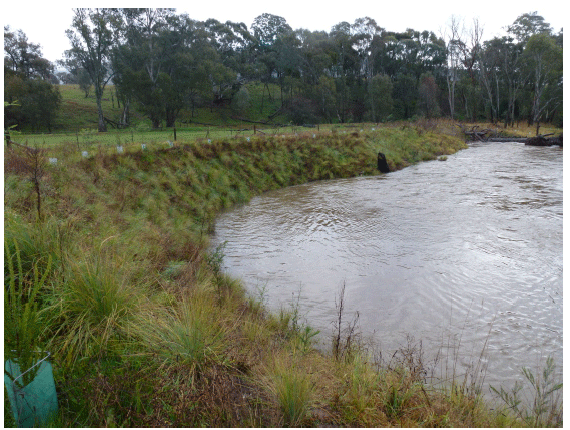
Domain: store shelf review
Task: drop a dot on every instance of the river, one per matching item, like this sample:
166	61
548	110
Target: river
464	255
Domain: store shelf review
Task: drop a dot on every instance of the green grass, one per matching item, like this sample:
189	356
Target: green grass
23	323
93	307
144	328
89	140
77	122
192	335
293	391
78	114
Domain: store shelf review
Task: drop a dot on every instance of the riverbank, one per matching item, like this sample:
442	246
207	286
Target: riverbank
143	327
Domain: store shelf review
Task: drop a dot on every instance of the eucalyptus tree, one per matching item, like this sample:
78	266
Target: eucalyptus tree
35	102
315	68
315	55
273	36
344	66
210	73
515	75
382	103
559	38
508	74
178	62
453	38
138	61
368	43
167	62
405	53
24	57
233	43
489	65
92	35
503	76
432	55
527	25
469	47
324	95
288	63
84	81
77	75
541	61
544	60
405	95
27	77
415	52
267	28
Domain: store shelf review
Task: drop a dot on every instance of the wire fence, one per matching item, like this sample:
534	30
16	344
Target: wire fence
88	142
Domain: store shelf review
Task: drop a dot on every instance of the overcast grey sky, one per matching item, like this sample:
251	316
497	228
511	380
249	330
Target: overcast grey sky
45	22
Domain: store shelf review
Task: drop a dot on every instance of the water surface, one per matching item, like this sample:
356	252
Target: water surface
465	254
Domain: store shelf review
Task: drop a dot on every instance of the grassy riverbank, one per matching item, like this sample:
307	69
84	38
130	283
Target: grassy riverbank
145	330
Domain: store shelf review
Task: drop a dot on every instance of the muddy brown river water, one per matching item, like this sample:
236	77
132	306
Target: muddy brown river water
464	255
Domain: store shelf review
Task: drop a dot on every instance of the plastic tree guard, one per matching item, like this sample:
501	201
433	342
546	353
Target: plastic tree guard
35	403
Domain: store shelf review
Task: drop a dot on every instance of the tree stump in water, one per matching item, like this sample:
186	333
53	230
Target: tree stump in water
543	140
382	163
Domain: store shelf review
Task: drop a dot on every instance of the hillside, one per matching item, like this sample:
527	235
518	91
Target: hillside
78	112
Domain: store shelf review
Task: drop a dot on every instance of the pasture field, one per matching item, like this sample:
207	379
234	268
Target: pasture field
79	112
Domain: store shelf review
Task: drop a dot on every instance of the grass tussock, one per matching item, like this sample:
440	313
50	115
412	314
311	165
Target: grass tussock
93	307
108	267
292	391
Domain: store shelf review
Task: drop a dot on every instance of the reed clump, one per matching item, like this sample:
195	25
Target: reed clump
144	327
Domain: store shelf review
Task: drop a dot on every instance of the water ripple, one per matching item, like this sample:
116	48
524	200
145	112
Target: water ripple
469	249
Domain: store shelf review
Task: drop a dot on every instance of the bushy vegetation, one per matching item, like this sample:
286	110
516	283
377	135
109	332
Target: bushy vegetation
117	277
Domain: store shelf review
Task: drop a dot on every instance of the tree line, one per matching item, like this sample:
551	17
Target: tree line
164	62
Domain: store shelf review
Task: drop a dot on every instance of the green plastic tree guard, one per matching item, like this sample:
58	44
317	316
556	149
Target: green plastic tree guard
36	403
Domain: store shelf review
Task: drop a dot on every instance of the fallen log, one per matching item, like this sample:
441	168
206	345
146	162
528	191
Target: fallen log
473	134
481	136
531	141
508	139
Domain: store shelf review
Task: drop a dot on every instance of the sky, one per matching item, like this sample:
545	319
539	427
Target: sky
45	22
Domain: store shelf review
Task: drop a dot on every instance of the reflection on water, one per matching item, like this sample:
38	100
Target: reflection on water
465	252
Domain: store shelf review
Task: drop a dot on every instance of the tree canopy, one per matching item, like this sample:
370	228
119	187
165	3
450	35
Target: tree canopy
33	99
165	63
